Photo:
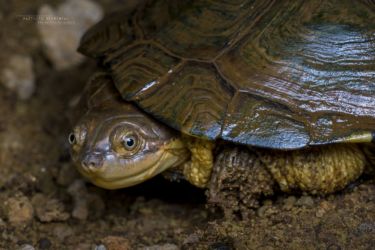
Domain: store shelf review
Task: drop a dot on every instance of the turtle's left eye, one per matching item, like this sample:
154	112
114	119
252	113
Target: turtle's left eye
72	139
129	142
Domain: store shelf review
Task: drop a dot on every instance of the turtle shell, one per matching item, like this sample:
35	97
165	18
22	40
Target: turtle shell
274	74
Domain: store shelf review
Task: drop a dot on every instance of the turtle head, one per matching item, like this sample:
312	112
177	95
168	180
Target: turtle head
120	149
116	145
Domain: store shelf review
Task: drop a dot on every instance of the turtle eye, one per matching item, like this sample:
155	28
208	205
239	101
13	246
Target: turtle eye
77	137
126	142
72	139
129	142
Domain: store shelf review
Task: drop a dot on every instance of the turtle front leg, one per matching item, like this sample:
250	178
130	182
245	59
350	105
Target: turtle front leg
238	181
198	170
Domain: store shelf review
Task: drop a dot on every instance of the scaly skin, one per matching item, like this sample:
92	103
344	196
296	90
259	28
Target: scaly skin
198	170
317	170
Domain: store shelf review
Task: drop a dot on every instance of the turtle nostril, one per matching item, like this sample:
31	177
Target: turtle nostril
89	164
92	161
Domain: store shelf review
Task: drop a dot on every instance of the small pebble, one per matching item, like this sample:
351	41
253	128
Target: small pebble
289	202
262	211
79	193
320	213
85	204
267	202
44	243
19	211
61	38
99	247
18	76
323	208
62	231
266	209
49	209
116	243
305	201
26	247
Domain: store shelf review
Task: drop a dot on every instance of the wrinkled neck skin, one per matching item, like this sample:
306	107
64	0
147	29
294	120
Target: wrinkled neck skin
101	153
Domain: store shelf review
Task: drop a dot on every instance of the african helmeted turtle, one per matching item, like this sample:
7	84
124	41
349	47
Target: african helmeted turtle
239	94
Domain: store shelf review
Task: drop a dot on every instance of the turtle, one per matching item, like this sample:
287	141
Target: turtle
241	97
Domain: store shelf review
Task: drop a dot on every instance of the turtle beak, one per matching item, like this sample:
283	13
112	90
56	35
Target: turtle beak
92	161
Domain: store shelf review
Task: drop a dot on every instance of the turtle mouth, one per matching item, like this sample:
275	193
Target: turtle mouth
124	179
117	175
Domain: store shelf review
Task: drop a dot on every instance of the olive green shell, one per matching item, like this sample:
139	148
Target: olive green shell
276	74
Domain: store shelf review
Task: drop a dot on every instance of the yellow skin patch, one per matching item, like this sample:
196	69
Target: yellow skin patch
198	170
318	170
359	138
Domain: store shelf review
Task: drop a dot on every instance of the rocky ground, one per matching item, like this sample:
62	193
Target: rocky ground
45	204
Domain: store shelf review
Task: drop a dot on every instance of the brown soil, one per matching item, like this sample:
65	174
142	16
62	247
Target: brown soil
46	204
